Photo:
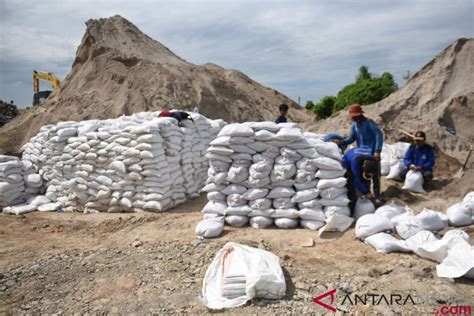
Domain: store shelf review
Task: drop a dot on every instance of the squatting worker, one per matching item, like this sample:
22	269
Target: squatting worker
283	112
420	157
366	133
178	115
362	168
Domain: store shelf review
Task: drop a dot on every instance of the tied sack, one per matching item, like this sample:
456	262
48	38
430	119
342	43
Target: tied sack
363	207
240	273
414	182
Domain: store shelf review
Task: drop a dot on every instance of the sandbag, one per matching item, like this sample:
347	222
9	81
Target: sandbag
336	222
259	272
286	223
460	214
363	206
390	210
414	182
371	224
383	242
395	171
311	224
261	222
211	227
236	220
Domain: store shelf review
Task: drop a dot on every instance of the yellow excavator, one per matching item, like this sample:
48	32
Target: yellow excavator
44	76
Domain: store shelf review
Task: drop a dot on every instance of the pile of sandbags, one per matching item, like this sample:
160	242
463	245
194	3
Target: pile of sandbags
18	181
453	251
263	174
132	163
391	164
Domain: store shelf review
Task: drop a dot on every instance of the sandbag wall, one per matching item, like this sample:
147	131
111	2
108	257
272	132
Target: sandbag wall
18	181
132	163
263	174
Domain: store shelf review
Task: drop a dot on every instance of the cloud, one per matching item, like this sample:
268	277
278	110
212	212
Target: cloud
302	48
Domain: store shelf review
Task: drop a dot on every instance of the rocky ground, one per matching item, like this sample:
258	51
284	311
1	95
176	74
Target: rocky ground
66	263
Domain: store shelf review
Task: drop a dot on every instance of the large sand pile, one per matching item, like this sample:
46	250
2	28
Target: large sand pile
442	89
120	70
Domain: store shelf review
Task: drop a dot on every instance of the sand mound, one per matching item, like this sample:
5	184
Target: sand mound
442	89
120	70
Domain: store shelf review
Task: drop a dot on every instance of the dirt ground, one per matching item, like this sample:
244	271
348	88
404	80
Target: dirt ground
148	263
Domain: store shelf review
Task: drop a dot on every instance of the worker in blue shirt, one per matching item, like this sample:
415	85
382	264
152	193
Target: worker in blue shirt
362	168
283	112
420	157
365	133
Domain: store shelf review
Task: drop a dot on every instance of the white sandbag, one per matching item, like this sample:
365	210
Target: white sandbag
336	222
285	213
430	220
234	189
340	200
259	269
414	182
289	134
286	223
235	200
363	206
310	204
210	227
395	171
38	200
427	246
329	174
243	210
460	214
314	214
469	199
328	164
253	194
268	126
311	224
19	209
459	261
390	210
49	207
383	242
261	222
216	196
281	203
306	185
236	130
305	195
333	209
236	220
327	183
281	192
260	204
328	149
217	207
406	224
370	224
332	192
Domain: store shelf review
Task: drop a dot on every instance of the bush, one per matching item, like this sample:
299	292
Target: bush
309	105
324	108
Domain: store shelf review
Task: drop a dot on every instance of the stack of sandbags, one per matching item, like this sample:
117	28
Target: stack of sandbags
392	159
132	163
263	173
18	181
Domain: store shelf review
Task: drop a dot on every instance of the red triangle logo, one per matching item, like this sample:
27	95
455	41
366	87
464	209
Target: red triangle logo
318	299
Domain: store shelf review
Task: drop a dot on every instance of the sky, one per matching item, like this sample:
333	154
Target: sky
304	49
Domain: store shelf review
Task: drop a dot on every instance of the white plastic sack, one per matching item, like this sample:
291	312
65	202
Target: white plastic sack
390	210
414	182
370	224
460	214
236	220
459	261
383	242
395	170
311	225
327	183
211	227
261	222
286	223
260	270
430	220
336	222
363	207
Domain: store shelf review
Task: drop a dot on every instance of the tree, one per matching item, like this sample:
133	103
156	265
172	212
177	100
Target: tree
309	105
363	73
324	108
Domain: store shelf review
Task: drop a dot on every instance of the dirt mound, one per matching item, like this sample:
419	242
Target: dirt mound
118	70
441	91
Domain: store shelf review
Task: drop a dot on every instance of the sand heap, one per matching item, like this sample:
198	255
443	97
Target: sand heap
120	70
442	89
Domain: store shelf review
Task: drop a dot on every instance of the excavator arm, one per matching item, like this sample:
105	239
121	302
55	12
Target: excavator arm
44	76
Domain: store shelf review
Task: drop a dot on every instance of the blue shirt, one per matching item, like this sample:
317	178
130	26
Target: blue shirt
420	157
365	133
281	119
349	161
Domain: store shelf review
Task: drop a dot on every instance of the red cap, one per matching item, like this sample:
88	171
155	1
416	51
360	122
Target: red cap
355	110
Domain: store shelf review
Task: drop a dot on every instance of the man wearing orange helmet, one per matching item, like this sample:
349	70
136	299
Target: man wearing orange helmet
365	133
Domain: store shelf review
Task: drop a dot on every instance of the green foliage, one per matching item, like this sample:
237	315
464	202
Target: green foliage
366	89
324	108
